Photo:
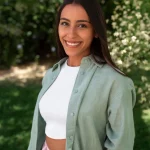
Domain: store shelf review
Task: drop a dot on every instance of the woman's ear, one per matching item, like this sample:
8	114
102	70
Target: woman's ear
96	35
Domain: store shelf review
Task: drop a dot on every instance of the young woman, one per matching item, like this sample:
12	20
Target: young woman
86	102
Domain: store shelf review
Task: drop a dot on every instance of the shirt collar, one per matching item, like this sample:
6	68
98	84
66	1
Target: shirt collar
85	60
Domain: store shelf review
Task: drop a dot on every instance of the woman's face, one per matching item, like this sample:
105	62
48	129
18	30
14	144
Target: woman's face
75	31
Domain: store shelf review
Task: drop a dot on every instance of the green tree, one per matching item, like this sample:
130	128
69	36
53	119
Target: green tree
26	30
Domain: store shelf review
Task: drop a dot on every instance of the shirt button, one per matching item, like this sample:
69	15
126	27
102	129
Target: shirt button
76	91
82	73
53	78
71	137
72	114
86	61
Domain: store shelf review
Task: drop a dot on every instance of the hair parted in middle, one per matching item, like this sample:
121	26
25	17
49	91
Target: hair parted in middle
99	45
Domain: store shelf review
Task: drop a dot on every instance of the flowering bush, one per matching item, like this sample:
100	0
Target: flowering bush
130	42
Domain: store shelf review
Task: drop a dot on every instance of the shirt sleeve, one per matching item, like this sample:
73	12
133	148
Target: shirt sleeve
120	131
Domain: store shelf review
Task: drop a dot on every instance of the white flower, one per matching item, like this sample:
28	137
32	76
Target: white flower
123	51
137	7
145	62
137	41
107	20
127	32
130	17
130	47
146	36
116	34
114	24
133	38
125	41
124	23
113	18
19	46
119	62
140	90
127	2
137	50
53	49
130	26
144	78
138	15
124	7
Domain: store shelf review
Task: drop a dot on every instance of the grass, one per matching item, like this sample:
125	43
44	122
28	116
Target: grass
16	108
142	128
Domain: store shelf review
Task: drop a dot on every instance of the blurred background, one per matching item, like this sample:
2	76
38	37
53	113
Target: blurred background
28	48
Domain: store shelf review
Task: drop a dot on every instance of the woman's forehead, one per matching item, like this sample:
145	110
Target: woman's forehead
74	11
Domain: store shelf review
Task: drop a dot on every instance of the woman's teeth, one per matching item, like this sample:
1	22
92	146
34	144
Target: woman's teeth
73	44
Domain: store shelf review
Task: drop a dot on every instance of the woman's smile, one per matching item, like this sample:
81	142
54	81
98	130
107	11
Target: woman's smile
86	102
75	33
72	44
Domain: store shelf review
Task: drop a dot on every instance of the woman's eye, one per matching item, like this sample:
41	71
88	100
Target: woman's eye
64	24
82	26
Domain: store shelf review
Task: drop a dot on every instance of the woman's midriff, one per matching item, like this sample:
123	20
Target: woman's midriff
55	144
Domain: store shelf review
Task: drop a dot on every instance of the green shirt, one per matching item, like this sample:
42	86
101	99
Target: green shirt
100	111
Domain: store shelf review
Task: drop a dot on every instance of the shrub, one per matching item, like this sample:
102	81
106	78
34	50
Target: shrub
26	30
130	42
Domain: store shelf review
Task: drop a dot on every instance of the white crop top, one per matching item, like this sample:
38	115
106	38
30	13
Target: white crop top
54	103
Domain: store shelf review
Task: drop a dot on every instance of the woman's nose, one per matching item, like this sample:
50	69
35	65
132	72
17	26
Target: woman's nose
72	32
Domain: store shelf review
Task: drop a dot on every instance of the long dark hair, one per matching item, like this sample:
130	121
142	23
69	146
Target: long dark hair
99	46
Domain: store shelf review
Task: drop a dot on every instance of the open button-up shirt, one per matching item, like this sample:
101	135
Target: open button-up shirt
100	111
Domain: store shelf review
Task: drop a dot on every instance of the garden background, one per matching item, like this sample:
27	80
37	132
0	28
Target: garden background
28	48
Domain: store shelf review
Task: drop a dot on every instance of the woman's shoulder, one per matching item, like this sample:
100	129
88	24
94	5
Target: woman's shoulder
108	73
112	75
120	84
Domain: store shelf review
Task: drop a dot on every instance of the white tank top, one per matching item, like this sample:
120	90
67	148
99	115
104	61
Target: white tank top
54	103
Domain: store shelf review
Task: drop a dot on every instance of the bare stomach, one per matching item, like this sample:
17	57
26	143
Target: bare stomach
55	144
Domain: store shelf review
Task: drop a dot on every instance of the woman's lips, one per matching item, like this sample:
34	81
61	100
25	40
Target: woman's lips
72	44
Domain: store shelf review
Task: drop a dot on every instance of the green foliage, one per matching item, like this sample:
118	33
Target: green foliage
131	35
27	27
27	33
26	30
130	43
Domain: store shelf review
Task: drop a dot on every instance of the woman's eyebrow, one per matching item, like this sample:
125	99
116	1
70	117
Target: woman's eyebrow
65	19
83	21
76	21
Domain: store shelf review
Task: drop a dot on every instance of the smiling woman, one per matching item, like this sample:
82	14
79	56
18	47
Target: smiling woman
86	102
76	33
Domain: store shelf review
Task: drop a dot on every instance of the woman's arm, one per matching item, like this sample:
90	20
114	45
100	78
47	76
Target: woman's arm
120	126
